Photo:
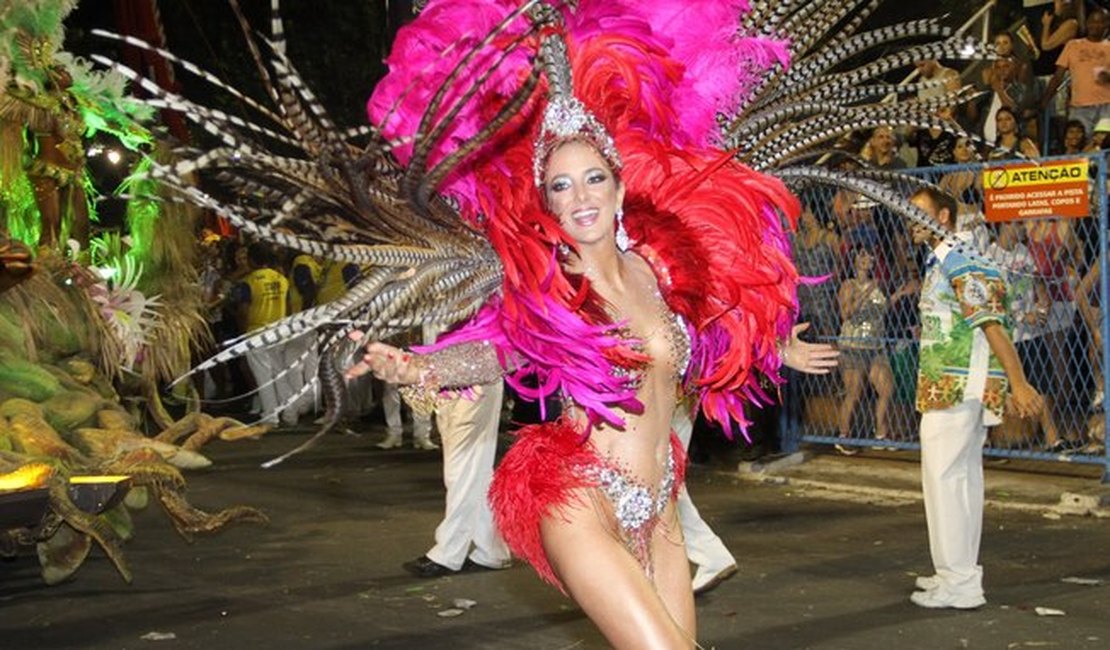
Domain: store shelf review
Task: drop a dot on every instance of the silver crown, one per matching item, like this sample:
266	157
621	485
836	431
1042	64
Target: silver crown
566	118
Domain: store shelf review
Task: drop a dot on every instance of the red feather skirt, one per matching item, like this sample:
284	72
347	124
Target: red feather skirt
552	466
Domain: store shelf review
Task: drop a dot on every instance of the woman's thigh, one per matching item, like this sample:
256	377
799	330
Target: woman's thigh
881	376
852	376
672	570
606	581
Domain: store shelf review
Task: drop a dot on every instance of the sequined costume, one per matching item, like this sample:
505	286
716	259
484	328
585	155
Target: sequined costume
549	468
553	466
862	332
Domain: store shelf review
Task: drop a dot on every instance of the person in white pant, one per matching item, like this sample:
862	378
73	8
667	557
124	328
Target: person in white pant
704	548
391	406
467	537
966	358
300	359
394	425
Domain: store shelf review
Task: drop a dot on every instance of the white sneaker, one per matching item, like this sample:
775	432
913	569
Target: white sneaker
706	579
926	583
941	598
424	443
390	442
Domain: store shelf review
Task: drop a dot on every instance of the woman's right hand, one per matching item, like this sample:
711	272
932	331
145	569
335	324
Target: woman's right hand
388	363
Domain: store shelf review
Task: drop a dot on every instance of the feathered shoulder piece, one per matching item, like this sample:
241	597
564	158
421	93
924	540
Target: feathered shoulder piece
722	261
655	74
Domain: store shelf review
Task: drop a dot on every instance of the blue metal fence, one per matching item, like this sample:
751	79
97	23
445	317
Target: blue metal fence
1057	280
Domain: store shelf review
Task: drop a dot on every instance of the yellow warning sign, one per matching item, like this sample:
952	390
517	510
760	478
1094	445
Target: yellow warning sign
1000	178
1029	190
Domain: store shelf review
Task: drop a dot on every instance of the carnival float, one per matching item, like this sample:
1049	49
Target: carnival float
93	324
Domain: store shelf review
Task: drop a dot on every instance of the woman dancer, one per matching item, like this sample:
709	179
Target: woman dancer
619	486
562	308
605	476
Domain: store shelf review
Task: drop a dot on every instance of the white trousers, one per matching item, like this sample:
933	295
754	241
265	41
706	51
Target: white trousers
391	405
703	546
391	401
468	429
394	425
265	363
952	483
301	355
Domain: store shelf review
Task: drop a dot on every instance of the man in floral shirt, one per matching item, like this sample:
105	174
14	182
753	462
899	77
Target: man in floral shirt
965	361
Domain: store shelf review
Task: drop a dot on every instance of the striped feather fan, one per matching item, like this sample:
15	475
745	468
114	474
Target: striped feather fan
337	195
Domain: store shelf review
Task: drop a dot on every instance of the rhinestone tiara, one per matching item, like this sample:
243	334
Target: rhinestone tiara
566	118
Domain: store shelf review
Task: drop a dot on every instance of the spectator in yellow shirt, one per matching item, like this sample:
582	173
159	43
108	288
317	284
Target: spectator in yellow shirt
262	300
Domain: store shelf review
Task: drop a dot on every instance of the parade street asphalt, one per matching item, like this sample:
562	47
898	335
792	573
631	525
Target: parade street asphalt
818	569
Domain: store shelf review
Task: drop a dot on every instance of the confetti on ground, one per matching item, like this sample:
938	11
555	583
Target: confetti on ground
1048	611
1075	580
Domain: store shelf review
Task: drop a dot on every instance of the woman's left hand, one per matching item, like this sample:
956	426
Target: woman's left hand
810	358
386	362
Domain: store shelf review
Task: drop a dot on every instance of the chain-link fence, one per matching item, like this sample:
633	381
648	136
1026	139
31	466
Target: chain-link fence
868	307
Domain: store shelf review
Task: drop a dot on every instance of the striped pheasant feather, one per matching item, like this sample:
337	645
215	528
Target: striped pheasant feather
838	83
337	194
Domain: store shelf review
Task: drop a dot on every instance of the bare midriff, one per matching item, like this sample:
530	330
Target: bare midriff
642	446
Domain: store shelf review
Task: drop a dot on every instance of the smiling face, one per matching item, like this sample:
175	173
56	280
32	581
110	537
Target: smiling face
582	192
1074	136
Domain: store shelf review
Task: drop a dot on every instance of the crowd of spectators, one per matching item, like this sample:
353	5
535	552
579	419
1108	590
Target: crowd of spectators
1023	110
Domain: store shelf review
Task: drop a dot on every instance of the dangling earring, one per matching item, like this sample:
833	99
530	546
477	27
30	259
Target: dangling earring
564	250
623	242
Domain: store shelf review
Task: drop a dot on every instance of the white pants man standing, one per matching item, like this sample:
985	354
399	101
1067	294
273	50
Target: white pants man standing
966	361
467	537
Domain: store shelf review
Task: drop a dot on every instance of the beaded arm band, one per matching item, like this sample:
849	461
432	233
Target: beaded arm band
457	366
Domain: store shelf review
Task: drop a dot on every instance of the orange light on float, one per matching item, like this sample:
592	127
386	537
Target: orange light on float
24	495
